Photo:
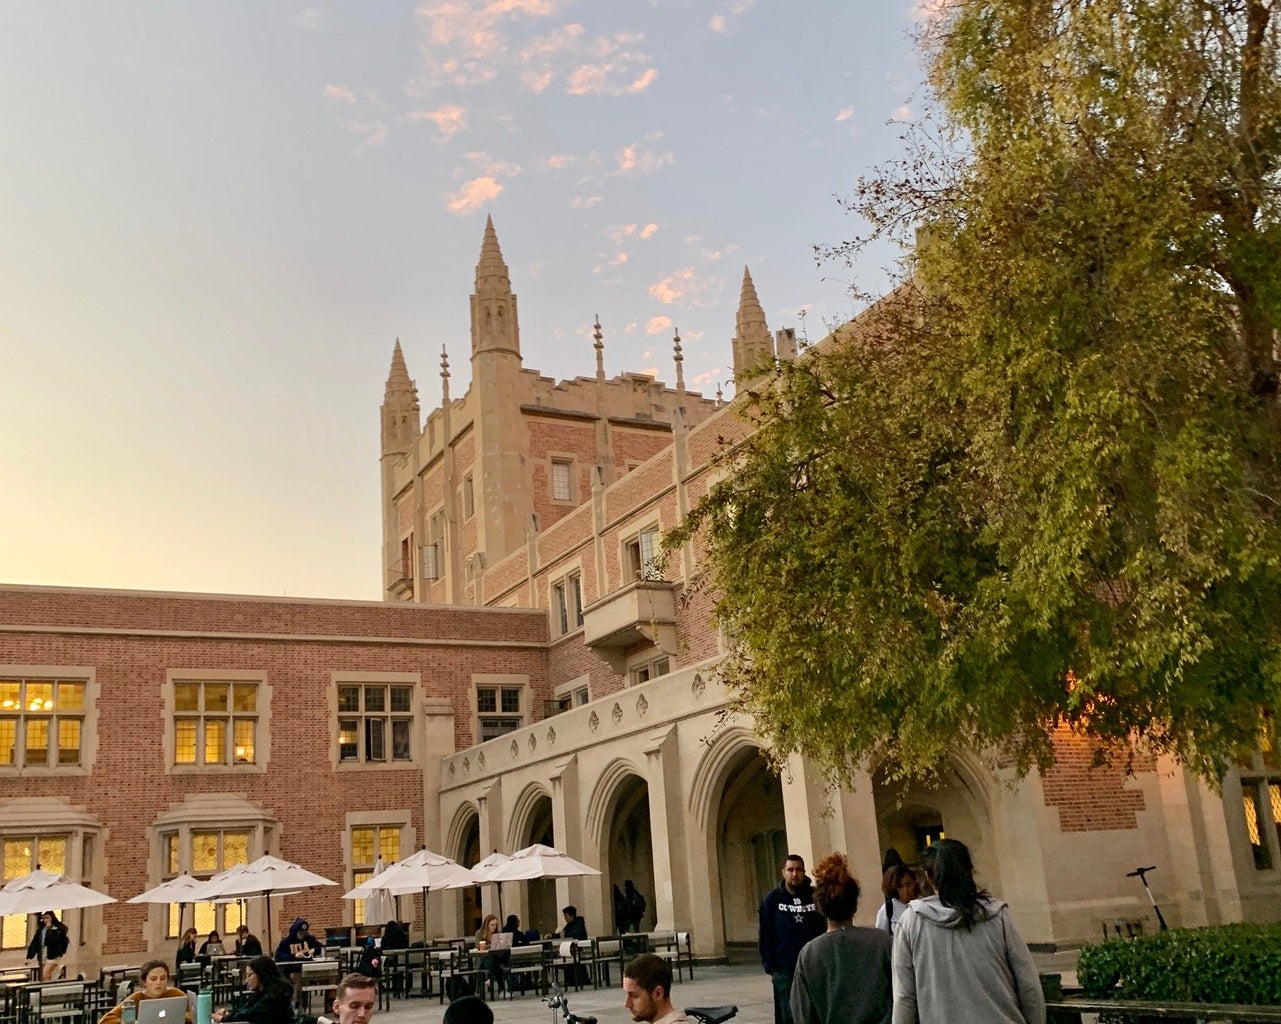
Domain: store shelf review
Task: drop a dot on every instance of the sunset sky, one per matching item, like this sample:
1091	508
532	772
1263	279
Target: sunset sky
217	217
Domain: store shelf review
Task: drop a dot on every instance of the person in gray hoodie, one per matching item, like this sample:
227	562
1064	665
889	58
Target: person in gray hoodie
958	956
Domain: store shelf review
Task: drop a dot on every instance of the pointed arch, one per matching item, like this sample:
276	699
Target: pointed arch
596	820
460	826
727	745
523	809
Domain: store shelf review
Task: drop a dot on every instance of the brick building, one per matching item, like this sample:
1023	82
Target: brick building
534	674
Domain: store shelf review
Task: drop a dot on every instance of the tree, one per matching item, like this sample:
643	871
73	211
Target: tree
1037	486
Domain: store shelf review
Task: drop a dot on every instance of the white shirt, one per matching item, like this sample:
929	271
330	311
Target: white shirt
899	910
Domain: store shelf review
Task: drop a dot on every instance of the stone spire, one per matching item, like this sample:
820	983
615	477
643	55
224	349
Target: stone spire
494	324
752	342
599	346
444	376
400	410
679	359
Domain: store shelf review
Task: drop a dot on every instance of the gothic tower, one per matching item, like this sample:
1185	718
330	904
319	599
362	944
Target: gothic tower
400	429
752	343
503	500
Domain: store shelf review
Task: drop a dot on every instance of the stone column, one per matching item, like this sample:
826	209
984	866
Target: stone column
667	828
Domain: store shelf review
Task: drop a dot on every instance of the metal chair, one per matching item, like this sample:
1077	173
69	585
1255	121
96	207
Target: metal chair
319	976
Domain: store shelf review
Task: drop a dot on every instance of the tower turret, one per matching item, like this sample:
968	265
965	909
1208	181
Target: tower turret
752	342
400	411
495	326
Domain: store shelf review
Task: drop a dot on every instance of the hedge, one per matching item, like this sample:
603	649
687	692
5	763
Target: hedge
1235	963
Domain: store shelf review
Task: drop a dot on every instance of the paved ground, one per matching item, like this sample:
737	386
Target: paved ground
744	985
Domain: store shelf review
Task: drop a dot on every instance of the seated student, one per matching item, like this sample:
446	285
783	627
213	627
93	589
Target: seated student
513	927
294	948
212	946
154	975
186	949
395	936
247	943
270	997
575	926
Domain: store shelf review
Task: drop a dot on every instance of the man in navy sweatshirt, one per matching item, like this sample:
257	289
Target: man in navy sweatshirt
789	919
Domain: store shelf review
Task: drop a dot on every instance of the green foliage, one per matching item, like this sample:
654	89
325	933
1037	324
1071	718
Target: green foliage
1038	485
1236	963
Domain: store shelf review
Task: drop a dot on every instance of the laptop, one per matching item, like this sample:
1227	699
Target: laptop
501	940
162	1011
215	949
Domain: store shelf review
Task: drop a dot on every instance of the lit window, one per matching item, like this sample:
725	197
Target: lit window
211	850
215	722
368	843
375	722
1261	799
41	722
500	710
562	480
22	855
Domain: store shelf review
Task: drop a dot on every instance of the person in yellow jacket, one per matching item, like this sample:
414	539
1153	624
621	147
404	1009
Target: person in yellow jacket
154	976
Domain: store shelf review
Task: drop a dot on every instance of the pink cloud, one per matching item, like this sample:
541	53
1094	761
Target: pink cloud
339	93
717	23
658	324
903	113
449	119
559	161
644	81
638	159
648	230
490	168
928	10
844	114
585	202
537	81
473	195
674	286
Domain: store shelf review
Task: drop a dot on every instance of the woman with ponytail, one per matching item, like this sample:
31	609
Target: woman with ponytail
957	954
843	976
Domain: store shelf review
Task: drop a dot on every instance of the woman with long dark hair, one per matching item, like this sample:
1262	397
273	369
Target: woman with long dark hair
843	976
270	997
898	885
957	954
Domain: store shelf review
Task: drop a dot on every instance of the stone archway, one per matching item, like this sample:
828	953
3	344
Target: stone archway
750	837
536	904
910	816
629	852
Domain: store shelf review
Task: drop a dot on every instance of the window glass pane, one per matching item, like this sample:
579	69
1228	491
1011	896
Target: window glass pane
216	696
347	740
68	741
1274	792
71	696
171	853
37	736
511	700
204	854
245	697
400	739
235	849
13	931
171	922
349	698
51	854
560	481
493	727
375	739
389	844
186	696
8	740
244	740
18	856
402	698
10	695
39	696
1262	855
215	741
206	918
362	846
184	741
375	698
487	699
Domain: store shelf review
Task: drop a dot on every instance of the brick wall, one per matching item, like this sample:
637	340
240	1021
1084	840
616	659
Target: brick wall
1089	798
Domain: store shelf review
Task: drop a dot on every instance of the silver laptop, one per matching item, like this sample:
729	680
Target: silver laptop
500	940
162	1011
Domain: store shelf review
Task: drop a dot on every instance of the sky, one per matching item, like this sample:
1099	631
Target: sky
216	218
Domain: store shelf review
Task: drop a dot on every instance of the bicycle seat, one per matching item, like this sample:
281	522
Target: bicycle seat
712	1014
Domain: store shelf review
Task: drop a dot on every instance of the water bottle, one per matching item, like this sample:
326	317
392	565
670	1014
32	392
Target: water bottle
129	1011
204	1006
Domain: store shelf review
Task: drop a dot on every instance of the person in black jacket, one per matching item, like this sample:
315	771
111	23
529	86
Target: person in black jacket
294	948
270	998
247	943
789	919
186	950
49	945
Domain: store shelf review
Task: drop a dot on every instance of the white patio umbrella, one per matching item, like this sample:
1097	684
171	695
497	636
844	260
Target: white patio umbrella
266	877
43	890
417	873
181	890
539	861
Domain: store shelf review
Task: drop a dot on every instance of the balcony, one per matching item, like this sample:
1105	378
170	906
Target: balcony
641	612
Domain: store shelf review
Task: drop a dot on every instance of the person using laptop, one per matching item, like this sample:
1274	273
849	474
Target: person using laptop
154	975
270	997
212	946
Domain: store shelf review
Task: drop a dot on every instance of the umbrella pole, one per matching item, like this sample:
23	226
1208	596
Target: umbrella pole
424	915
